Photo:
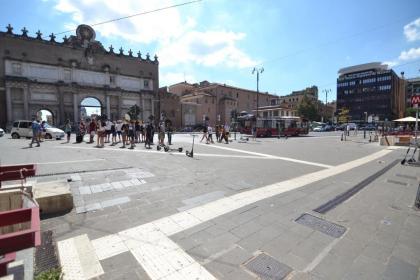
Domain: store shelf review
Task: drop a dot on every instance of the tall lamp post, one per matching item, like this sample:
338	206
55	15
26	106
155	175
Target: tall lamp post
326	91
258	71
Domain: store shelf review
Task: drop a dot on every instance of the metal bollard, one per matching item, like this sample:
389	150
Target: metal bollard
417	203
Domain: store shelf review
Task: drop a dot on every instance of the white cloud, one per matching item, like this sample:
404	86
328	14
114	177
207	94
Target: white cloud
412	30
173	33
210	48
170	78
411	54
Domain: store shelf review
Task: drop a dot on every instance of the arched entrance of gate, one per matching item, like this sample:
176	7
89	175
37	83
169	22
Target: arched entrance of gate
90	107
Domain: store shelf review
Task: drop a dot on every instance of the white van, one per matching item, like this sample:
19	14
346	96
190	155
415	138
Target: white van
23	128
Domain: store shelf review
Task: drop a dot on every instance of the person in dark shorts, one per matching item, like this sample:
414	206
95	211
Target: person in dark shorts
149	135
114	133
131	133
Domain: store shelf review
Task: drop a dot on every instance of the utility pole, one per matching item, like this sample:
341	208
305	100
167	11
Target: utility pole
258	71
326	99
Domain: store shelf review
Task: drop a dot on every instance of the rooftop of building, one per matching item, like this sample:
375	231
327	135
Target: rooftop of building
84	38
363	67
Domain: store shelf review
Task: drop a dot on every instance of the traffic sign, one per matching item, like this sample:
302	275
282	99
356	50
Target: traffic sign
415	99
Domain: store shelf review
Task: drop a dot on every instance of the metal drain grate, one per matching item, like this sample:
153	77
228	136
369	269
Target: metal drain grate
321	225
267	268
45	254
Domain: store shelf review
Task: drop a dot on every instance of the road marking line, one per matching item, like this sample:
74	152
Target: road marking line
270	156
256	155
69	161
163	259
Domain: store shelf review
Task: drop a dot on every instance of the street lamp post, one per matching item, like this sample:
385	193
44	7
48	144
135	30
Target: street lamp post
326	91
258	71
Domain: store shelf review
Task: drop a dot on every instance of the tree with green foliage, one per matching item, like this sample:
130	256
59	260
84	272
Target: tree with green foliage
308	110
134	112
410	112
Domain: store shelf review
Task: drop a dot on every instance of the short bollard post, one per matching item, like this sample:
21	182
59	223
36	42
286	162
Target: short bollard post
417	203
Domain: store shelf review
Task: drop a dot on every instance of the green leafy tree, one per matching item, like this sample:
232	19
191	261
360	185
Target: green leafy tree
134	112
410	112
308	110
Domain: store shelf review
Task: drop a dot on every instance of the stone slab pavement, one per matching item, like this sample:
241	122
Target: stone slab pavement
379	243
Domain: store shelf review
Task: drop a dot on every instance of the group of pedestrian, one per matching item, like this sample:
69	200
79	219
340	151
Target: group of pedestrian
221	131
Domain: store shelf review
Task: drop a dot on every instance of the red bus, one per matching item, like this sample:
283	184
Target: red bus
274	126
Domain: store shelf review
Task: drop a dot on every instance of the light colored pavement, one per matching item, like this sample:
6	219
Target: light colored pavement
156	215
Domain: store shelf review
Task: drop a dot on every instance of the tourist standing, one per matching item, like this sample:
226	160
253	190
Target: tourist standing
67	130
118	128
149	135
169	132
138	132
114	134
108	124
210	136
92	130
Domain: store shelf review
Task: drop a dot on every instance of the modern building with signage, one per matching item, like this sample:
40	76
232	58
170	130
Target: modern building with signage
371	90
72	78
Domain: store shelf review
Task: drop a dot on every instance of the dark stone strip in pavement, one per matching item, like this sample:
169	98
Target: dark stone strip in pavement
349	193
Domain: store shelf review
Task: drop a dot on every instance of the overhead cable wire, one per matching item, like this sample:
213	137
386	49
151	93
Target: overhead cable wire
138	14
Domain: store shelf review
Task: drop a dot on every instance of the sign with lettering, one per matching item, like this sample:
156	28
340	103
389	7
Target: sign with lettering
415	100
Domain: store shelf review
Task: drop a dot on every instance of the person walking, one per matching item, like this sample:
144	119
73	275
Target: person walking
108	124
36	127
254	133
149	135
210	135
101	132
92	130
217	130
205	134
118	129
124	133
131	133
226	129
169	132
137	128
161	134
142	132
67	130
114	134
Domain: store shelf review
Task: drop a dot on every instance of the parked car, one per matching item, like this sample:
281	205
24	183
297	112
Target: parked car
1	132
318	129
23	128
352	126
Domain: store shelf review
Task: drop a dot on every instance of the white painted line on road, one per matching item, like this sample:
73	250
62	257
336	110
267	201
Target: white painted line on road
254	154
269	156
163	259
69	161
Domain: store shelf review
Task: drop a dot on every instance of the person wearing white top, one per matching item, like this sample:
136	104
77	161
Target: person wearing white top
108	125
118	128
210	135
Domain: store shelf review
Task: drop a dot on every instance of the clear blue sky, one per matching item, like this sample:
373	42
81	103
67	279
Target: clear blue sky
299	43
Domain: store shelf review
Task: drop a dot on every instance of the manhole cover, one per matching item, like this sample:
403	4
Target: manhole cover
321	225
45	254
268	268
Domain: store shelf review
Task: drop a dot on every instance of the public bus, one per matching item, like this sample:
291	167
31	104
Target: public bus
274	126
